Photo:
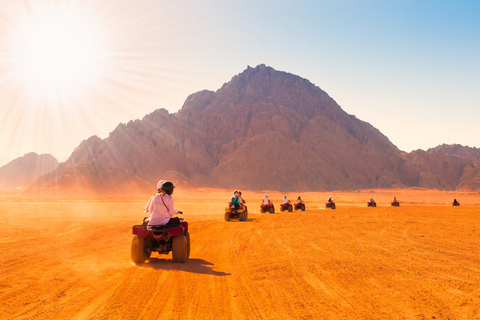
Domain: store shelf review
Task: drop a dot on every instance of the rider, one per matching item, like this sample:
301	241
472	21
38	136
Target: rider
299	200
286	202
235	201
266	200
371	200
395	199
242	201
330	199
160	206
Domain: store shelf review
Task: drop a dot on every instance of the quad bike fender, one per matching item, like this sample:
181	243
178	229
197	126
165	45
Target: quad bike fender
230	210
141	231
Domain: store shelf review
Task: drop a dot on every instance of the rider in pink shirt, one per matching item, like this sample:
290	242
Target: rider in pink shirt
160	205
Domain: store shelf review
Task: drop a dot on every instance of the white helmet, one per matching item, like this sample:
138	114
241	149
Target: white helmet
159	184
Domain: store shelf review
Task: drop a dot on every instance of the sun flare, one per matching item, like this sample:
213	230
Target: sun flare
57	54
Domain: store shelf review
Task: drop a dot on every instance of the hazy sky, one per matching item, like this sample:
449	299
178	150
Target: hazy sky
73	69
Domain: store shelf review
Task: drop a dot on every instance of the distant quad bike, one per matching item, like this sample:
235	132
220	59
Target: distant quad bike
241	213
267	208
162	239
395	204
456	204
299	206
286	207
330	205
372	204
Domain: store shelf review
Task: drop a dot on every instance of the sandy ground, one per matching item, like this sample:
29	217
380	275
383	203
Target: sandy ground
70	259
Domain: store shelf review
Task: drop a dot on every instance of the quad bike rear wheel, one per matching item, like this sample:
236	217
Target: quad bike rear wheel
241	216
179	248
187	235
137	251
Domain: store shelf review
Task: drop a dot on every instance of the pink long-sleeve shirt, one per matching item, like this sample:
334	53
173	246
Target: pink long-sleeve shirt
160	213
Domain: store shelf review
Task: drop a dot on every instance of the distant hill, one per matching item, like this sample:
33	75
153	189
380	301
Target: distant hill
472	154
263	130
23	171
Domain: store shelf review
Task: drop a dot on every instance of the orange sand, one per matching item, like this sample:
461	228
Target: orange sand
70	259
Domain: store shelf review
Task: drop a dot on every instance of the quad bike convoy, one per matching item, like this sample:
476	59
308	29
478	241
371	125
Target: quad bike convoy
162	239
267	208
240	213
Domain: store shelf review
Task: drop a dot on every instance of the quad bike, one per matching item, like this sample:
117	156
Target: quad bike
330	205
395	204
162	239
232	213
286	207
372	204
267	208
456	204
299	206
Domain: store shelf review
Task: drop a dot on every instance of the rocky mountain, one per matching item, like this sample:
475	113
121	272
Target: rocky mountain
447	167
23	171
263	130
472	154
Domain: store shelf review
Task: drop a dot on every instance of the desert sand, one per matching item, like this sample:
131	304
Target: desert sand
70	259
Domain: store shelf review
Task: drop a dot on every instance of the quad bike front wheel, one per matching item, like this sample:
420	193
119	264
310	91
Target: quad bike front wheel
272	210
303	208
179	248
227	216
138	250
290	209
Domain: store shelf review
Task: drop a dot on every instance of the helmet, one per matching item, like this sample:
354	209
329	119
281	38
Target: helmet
159	184
167	187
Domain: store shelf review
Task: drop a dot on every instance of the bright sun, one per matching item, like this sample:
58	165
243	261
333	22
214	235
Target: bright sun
57	54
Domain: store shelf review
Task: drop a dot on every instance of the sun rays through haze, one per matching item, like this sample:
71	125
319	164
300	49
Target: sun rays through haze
70	68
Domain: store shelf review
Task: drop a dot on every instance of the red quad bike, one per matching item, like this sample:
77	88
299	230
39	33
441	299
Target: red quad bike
241	213
456	204
330	205
267	208
372	204
286	207
299	206
395	204
162	239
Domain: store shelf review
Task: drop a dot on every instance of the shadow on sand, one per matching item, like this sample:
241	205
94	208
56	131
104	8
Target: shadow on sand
192	265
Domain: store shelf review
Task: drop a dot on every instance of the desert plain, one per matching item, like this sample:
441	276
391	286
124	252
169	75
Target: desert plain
70	258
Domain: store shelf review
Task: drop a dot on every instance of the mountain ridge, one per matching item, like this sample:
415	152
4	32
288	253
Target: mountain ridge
263	130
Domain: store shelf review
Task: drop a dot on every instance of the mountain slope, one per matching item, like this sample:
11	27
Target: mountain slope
264	129
23	171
